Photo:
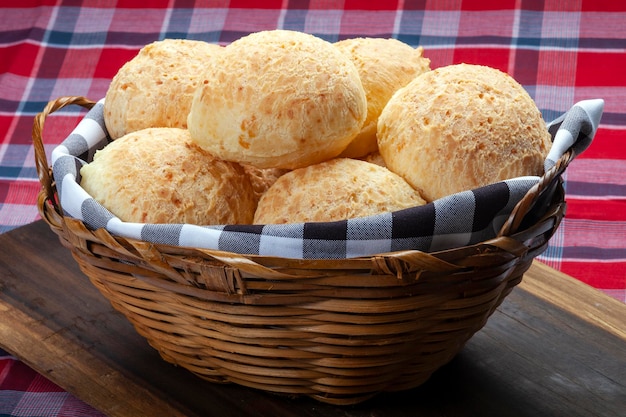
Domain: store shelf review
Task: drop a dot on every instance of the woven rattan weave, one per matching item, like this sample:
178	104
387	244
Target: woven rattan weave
340	331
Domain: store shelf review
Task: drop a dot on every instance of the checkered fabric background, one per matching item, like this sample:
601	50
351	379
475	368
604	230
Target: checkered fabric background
23	392
560	51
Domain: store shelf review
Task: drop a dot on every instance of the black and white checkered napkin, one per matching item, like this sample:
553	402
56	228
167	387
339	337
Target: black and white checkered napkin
457	220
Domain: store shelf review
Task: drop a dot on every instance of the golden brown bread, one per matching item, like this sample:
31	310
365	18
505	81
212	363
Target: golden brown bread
278	99
384	65
338	189
460	127
155	88
158	175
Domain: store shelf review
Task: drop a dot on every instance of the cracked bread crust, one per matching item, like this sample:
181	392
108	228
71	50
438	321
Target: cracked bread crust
339	189
385	65
158	175
278	99
460	127
155	88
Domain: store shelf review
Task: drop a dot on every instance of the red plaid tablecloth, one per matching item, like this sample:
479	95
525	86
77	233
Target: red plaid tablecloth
561	52
23	392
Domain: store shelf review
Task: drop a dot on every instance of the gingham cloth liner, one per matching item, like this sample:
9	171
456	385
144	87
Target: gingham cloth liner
457	220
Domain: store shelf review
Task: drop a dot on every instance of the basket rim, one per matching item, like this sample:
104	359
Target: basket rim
230	237
195	305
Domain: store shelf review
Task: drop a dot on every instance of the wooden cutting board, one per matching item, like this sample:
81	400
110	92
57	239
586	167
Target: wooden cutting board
555	347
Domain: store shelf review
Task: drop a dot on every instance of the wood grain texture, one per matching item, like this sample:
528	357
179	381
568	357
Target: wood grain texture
577	298
554	347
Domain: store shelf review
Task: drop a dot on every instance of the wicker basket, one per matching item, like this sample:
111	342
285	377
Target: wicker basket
339	331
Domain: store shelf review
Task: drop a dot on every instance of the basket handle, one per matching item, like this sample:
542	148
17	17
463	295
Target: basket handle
535	196
41	162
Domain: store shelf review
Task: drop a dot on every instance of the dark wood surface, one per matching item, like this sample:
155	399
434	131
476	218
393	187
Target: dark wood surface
555	347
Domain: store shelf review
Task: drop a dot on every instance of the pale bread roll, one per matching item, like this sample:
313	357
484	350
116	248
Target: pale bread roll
158	175
460	127
278	99
155	88
339	189
385	65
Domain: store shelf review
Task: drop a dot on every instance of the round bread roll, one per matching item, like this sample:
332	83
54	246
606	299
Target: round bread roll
158	175
155	88
460	127
278	99
339	189
384	65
